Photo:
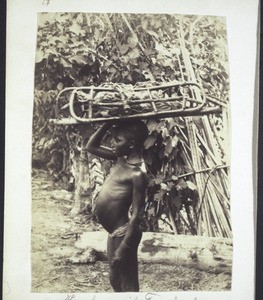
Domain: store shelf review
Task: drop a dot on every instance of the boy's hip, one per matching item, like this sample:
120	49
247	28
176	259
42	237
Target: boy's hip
120	232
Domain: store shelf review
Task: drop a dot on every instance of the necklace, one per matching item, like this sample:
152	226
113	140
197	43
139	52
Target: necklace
133	164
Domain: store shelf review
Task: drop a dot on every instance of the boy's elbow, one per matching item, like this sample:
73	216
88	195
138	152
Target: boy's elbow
90	148
90	145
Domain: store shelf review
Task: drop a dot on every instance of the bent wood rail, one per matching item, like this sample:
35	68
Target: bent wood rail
85	105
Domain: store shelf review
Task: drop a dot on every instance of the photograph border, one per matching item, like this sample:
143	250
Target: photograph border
241	18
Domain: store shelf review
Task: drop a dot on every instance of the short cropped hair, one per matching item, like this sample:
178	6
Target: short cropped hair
133	130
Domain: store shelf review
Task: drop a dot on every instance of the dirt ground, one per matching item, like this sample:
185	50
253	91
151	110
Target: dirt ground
54	233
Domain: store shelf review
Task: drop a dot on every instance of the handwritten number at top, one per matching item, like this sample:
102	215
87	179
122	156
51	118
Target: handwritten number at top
46	2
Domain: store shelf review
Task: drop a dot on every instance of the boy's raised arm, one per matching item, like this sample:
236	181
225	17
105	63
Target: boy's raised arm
94	146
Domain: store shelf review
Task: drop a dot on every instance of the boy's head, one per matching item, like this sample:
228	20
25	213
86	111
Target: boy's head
129	135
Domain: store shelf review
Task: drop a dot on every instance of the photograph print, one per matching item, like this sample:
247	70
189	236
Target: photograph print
131	154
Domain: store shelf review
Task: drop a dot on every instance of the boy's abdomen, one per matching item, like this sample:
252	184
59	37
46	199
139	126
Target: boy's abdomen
112	204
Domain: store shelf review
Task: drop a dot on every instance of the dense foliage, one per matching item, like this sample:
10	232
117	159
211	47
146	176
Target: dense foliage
78	49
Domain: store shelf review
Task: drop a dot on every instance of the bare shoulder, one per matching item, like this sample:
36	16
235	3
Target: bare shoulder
139	176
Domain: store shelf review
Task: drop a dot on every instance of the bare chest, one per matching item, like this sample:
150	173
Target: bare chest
119	176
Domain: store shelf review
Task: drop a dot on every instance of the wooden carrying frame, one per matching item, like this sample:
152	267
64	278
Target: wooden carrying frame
82	110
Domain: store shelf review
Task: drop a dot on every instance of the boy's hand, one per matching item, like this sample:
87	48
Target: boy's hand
116	261
118	257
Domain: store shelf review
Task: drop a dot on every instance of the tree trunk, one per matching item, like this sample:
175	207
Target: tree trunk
203	253
81	181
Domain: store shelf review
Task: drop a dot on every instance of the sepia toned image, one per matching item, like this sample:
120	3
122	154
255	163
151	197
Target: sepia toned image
131	154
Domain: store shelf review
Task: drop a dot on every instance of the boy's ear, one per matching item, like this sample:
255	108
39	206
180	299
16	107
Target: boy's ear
132	144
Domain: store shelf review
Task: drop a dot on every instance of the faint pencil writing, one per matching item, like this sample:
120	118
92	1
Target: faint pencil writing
70	297
150	296
46	2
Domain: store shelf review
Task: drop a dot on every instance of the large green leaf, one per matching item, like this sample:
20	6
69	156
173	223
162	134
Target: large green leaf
132	41
150	141
40	55
123	48
134	53
153	33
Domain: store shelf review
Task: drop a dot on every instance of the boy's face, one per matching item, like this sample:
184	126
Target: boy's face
120	144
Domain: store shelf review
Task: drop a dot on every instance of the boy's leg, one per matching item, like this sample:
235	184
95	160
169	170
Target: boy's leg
115	279
129	268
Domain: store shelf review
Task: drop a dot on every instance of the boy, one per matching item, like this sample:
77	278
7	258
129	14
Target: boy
125	186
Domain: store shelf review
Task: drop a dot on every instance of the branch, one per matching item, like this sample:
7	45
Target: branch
133	32
108	21
202	171
217	101
192	29
99	56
